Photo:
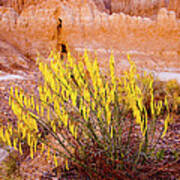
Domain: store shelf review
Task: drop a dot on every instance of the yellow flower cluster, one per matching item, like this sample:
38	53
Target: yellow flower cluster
134	96
81	88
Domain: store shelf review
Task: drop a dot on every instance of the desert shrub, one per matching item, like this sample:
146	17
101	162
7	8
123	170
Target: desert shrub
103	126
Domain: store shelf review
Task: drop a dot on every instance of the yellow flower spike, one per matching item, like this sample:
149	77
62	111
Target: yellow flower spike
65	119
145	73
70	59
48	95
55	161
10	101
75	132
68	92
128	57
99	113
33	115
7	137
71	128
102	91
21	97
87	94
45	70
166	103
111	131
55	57
140	103
67	167
112	94
35	145
77	77
150	84
95	92
99	82
16	92
93	105
59	124
152	105
84	112
10	129
25	118
107	107
74	98
53	126
138	116
51	54
112	69
15	144
41	66
81	68
138	90
2	134
11	91
40	89
20	148
87	61
53	66
57	107
86	54
17	110
145	121
166	125
108	118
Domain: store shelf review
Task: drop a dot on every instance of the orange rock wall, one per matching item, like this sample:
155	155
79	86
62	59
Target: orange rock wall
120	31
86	25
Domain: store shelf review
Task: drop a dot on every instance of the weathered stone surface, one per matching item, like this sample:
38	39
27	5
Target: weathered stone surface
90	24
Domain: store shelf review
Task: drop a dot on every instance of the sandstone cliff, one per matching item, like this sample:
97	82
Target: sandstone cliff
31	26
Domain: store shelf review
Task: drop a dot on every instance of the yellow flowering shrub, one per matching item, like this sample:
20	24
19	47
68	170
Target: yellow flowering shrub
81	110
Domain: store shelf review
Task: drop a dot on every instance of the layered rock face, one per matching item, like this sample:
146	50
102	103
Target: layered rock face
122	33
32	26
144	7
131	7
